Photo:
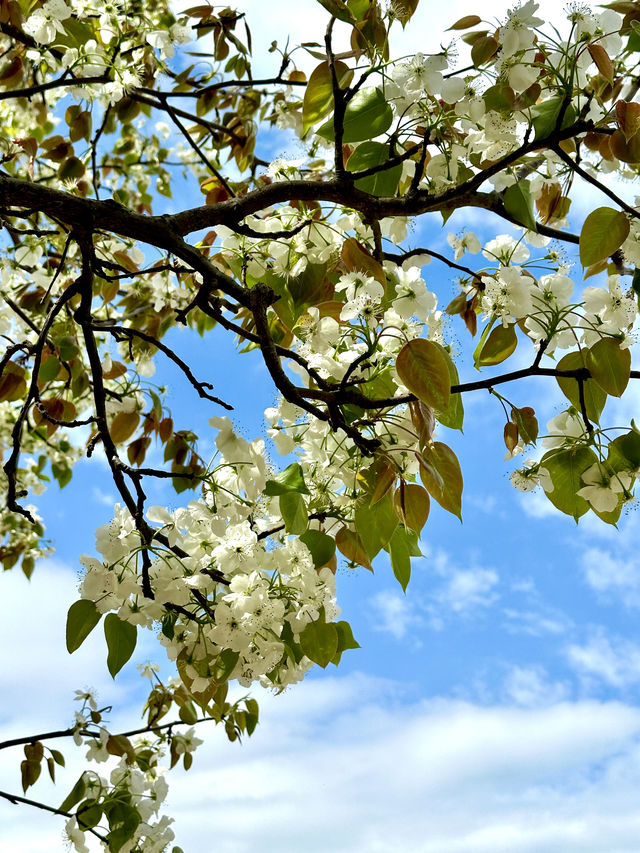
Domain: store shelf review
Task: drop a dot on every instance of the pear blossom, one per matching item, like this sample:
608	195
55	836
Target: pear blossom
603	487
506	250
468	242
44	24
518	31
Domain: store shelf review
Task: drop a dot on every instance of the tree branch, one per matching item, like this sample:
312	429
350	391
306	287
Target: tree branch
15	799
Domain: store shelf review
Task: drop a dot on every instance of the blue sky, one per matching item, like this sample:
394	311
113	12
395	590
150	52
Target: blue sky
493	709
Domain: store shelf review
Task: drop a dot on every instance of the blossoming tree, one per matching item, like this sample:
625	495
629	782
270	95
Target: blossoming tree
308	262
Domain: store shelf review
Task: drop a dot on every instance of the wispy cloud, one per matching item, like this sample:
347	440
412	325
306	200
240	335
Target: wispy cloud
462	590
535	622
613	573
531	687
392	613
103	497
609	659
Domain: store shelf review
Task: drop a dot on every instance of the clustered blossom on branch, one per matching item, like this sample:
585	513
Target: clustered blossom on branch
309	260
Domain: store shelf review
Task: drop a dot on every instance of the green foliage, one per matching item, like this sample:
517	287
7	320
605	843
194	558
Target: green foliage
519	204
603	232
291	480
367	115
82	618
368	155
593	394
121	640
423	368
565	468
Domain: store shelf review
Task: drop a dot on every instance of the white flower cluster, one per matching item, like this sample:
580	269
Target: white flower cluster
604	486
143	794
270	594
545	307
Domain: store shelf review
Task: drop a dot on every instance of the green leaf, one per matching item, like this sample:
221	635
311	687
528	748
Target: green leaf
74	796
123	822
188	713
294	512
500	344
338	9
121	639
519	204
289	480
58	757
367	156
318	96
12	382
82	618
89	814
545	116
49	369
224	664
624	452
413	543
368	114
345	641
400	557
168	624
310	287
603	232
375	524
609	365
71	169
499	98
594	396
566	468
424	370
319	642
67	347
321	546
453	415
446	487
252	715
62	473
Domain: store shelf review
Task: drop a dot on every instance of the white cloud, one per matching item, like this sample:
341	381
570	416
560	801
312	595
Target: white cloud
614	661
530	687
434	777
467	589
392	613
613	572
535	622
527	612
462	590
104	497
487	504
454	593
536	504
